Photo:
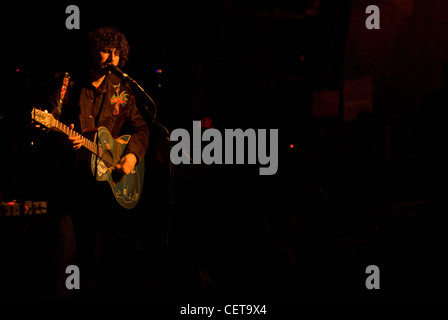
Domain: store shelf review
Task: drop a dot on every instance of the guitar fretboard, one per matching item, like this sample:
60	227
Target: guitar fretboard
93	147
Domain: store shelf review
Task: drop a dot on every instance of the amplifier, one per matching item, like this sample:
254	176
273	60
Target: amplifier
18	208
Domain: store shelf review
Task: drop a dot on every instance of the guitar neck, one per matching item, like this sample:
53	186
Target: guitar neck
90	145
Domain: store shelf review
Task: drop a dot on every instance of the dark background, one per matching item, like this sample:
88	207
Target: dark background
359	183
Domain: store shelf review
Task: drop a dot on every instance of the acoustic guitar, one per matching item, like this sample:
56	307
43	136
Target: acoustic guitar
106	153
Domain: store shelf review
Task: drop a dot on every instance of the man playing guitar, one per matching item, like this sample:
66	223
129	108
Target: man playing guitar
97	98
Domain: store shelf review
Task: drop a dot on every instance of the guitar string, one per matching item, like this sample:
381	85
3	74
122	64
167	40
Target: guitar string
93	147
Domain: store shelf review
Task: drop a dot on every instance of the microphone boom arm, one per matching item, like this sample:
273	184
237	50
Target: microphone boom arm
153	116
167	134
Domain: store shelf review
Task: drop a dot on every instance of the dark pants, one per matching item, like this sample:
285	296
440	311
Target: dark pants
107	249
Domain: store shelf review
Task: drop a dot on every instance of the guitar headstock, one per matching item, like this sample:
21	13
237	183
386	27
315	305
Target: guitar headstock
43	117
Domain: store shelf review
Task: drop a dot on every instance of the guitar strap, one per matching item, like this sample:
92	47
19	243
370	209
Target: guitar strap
63	91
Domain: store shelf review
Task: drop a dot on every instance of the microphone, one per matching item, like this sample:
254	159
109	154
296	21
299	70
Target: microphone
120	72
124	75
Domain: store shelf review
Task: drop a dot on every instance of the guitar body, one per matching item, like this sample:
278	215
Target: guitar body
106	153
127	188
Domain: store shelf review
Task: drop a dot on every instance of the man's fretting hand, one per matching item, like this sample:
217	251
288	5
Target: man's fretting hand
76	142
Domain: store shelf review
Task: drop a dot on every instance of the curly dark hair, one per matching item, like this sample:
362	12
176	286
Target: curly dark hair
105	38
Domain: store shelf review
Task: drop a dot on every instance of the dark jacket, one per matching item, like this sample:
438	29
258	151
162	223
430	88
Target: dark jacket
111	105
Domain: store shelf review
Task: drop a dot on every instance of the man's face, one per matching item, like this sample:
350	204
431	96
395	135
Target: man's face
107	57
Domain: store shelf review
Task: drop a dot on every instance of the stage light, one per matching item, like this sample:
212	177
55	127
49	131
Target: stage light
206	123
159	70
291	146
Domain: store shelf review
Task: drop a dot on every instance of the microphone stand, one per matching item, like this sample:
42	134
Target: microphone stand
171	168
